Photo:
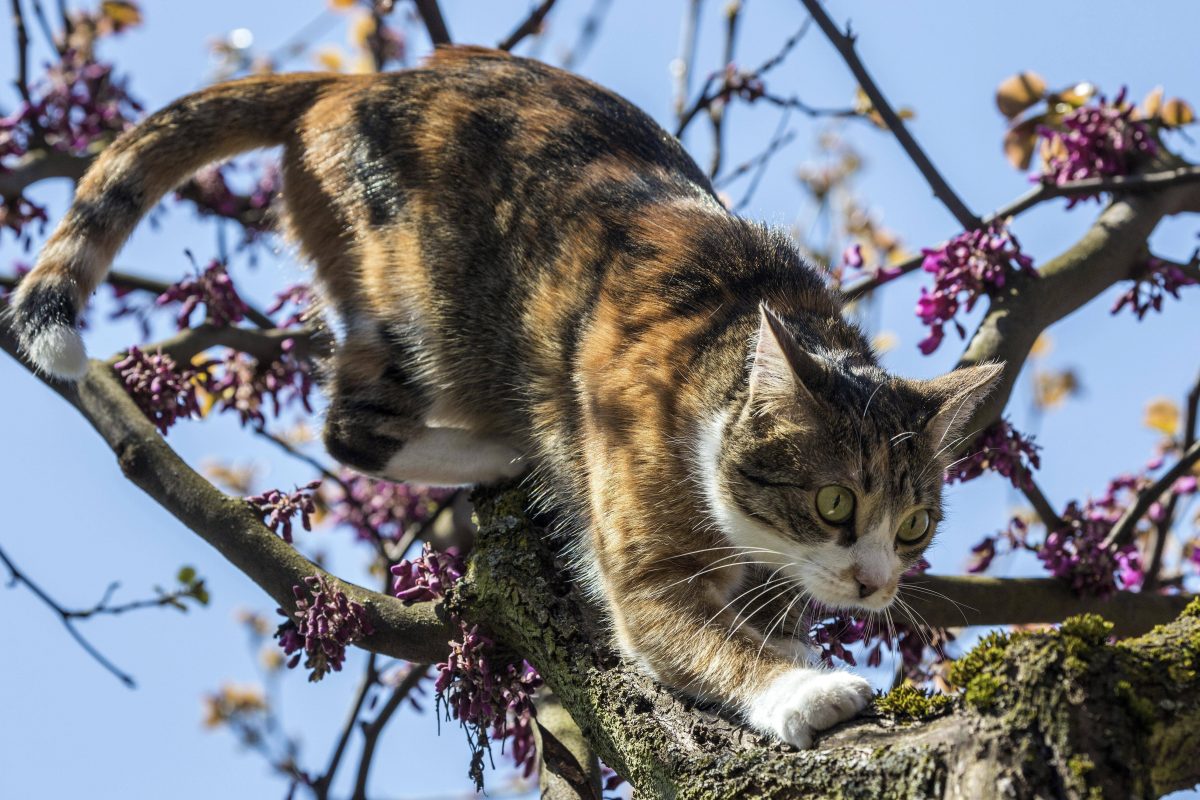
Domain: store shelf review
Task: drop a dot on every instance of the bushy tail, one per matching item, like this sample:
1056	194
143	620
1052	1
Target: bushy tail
126	181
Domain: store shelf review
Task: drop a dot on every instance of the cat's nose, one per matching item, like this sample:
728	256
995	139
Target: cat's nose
865	587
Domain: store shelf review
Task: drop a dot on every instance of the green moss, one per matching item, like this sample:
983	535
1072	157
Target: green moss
978	673
1193	609
1091	629
1140	707
909	702
1080	765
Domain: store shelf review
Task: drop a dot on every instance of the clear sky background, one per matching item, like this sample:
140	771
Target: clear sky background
69	519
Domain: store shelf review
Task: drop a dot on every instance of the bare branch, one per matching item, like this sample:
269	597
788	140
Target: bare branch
67	618
1163	526
431	15
39	165
531	24
1122	532
845	46
568	768
587	34
371	730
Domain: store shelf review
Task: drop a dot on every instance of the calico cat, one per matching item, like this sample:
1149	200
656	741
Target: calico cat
524	270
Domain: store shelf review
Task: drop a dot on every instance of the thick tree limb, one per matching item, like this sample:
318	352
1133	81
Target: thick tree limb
414	633
1050	714
567	767
40	165
1107	253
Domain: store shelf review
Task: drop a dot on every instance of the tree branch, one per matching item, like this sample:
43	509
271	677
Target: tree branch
845	46
414	633
1122	532
39	165
67	618
567	766
531	24
431	15
1104	255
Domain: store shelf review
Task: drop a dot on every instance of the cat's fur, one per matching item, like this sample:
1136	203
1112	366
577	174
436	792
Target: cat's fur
525	269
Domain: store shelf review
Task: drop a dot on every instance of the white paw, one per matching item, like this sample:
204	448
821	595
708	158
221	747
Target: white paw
801	702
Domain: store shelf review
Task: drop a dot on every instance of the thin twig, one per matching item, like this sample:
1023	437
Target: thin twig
1163	527
17	576
431	15
374	728
716	110
780	139
22	34
687	57
531	24
370	678
1045	510
587	34
1122	532
844	43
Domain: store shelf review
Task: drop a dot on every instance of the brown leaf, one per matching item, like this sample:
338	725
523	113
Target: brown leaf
1019	142
1019	92
1153	103
1176	112
122	13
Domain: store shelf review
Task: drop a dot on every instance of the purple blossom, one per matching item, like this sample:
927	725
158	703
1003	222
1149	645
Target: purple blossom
242	384
160	389
300	297
76	103
1075	553
382	509
211	194
484	696
1000	448
278	508
324	622
428	576
1094	142
1155	281
969	266
214	288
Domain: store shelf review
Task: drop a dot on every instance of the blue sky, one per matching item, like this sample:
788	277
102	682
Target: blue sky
71	521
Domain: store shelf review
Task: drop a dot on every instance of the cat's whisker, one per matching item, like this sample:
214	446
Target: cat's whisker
771	580
696	575
789	585
933	593
782	617
923	627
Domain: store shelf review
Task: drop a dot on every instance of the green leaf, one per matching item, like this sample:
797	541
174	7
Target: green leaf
187	575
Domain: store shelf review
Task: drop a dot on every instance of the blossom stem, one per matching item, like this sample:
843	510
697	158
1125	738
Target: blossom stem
1122	532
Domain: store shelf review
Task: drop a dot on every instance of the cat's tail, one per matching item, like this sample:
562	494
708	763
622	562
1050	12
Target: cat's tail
126	181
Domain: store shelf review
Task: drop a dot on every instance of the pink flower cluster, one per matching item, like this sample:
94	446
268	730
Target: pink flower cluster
382	509
277	508
485	696
1075	551
969	266
160	389
1003	449
1156	281
1095	141
243	385
212	196
211	286
480	694
76	103
300	297
428	576
322	625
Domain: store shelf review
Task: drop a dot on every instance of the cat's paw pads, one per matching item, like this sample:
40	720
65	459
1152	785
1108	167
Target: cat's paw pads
799	703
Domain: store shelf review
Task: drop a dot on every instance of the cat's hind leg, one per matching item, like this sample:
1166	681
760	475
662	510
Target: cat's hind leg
376	424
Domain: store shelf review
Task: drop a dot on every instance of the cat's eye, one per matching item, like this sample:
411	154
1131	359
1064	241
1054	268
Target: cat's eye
835	504
914	528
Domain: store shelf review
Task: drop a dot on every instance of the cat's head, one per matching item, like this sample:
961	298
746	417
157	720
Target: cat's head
831	473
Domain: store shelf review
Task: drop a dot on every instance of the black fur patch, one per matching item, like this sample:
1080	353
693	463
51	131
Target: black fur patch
43	307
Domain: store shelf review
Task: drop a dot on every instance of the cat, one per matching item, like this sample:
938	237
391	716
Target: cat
525	272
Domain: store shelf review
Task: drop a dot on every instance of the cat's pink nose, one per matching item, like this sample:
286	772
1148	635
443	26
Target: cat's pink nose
866	587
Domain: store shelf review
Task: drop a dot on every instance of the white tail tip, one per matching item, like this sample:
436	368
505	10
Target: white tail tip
58	350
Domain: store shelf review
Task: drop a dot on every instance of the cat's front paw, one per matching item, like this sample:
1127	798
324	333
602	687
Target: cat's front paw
801	702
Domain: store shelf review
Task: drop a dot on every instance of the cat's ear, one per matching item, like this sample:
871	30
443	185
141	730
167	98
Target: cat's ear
958	394
780	368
